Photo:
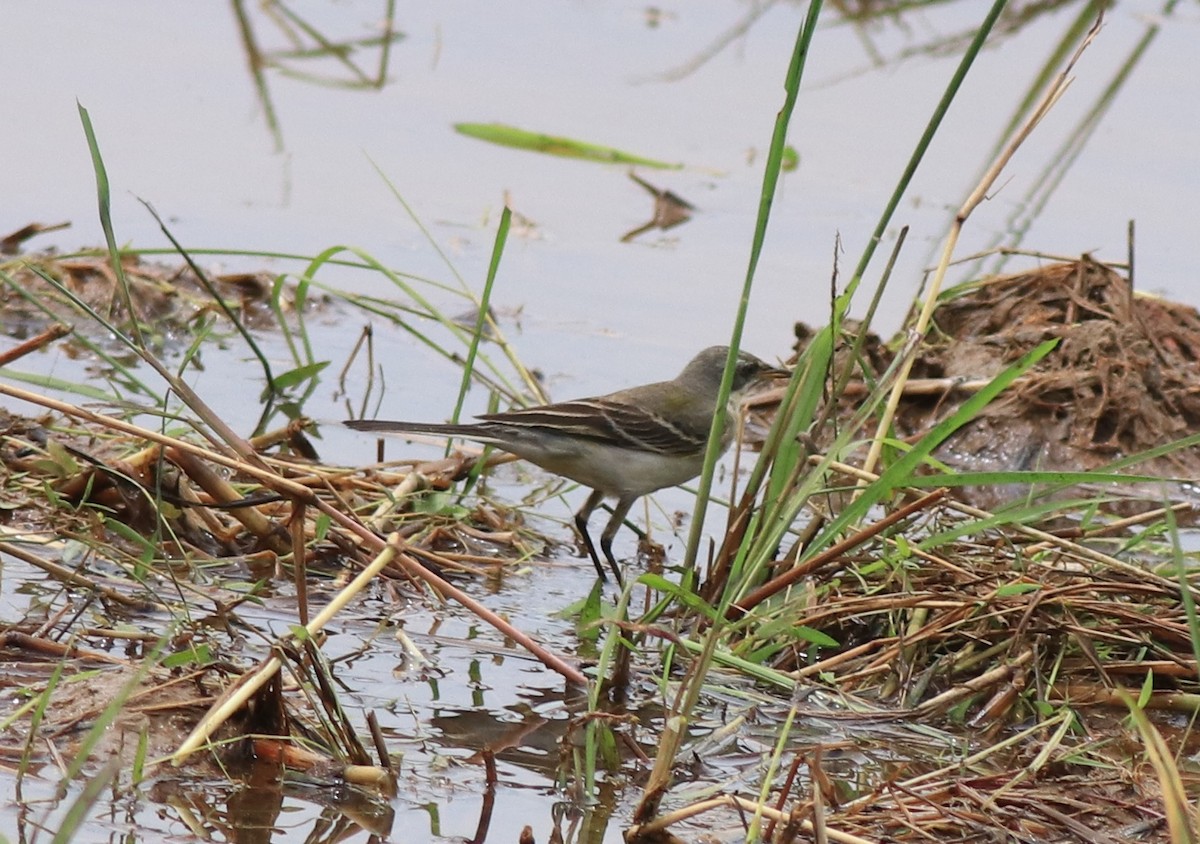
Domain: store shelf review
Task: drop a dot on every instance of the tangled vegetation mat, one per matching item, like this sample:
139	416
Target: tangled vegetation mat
931	671
1122	386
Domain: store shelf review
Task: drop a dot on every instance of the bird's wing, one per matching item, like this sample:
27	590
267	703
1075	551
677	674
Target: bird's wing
612	422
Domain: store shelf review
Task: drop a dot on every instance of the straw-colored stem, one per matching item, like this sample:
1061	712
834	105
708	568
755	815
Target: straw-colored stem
1052	95
234	701
370	540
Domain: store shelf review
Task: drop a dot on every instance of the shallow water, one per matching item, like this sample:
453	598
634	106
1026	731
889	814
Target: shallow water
181	125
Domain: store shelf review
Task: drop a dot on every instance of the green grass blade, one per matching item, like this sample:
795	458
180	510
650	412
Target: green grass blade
103	199
931	128
202	277
1189	601
77	813
481	318
900	473
49	382
766	198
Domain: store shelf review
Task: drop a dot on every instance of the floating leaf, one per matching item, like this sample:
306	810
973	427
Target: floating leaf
816	637
511	136
299	375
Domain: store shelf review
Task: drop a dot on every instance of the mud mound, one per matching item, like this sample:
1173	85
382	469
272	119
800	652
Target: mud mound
1122	380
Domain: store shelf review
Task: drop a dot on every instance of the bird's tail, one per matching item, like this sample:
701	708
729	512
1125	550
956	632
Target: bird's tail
473	432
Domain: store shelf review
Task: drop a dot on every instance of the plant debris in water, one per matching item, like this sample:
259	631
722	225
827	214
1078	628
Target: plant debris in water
1121	383
944	673
171	299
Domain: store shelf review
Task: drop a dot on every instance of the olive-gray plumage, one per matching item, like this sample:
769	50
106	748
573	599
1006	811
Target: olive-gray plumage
622	445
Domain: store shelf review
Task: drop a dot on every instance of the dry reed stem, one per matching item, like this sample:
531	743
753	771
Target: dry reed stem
1050	540
54	332
233	700
56	650
777	584
1053	92
70	576
224	492
650	831
285	486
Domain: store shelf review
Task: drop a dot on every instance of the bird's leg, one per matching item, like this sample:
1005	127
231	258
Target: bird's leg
610	530
581	522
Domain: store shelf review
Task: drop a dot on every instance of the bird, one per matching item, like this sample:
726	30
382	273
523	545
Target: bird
621	445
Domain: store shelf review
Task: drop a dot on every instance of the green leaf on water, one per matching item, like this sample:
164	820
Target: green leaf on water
511	136
195	655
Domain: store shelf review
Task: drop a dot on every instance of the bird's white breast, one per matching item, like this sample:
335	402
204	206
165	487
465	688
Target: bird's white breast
613	470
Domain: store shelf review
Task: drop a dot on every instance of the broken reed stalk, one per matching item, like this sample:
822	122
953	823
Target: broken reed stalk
222	432
72	577
237	696
54	332
1082	552
657	829
778	584
285	486
55	650
1181	816
1052	95
221	491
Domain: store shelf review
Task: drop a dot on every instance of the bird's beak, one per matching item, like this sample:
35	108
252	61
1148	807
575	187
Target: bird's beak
775	373
763	390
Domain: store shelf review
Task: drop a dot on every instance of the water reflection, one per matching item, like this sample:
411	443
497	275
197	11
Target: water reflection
311	50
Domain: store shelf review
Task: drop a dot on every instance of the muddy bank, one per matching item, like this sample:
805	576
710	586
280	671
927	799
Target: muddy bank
1121	382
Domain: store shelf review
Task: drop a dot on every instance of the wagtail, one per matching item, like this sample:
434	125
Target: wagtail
622	445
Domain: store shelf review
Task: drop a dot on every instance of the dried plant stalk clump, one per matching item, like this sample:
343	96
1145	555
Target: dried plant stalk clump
1122	380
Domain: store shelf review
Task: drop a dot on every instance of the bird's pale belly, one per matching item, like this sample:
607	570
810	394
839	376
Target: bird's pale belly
613	470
